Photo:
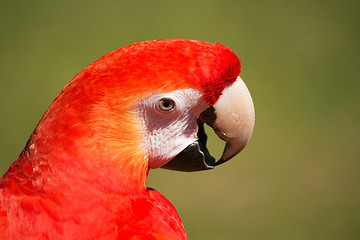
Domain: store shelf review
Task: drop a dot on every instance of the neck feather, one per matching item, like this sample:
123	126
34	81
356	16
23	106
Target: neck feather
71	153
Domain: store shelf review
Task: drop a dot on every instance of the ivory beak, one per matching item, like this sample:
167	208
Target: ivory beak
235	118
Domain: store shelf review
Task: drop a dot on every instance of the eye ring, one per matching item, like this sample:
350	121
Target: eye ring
166	104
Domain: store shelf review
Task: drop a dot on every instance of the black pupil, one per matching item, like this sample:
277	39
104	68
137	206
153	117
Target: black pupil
166	103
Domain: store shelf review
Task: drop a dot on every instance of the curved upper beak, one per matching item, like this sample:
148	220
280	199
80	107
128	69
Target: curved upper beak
232	117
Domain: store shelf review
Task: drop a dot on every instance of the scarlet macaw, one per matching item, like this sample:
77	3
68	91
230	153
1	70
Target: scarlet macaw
82	173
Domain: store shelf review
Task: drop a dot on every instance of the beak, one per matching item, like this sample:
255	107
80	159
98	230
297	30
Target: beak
232	118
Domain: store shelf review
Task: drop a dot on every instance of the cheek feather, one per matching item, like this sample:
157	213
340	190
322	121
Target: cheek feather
166	133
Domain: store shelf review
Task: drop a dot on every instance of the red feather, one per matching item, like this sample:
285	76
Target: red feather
82	174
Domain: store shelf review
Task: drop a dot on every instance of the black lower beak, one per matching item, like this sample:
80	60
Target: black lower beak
195	157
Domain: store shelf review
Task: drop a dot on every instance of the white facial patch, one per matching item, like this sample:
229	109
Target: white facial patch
169	123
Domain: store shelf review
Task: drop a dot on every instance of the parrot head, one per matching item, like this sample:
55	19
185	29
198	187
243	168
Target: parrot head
144	106
196	83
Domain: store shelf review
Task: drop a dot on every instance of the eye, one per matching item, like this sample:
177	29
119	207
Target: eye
166	104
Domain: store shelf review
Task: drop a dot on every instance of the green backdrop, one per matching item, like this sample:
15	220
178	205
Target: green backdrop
299	176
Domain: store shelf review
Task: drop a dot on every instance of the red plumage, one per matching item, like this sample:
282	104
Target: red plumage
82	174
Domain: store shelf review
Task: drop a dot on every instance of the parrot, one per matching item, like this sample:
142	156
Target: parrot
83	172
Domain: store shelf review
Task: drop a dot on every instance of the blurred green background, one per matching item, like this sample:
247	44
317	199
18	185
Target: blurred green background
299	176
